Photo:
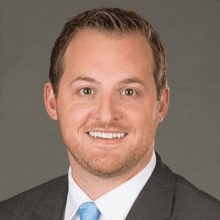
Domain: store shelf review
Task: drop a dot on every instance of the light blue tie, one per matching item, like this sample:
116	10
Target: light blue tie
88	211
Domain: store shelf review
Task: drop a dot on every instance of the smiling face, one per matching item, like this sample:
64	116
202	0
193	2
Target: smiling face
107	105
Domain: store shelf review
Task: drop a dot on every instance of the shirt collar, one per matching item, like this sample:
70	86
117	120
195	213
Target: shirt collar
114	204
117	203
76	196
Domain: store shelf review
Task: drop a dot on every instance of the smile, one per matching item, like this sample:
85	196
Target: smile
106	135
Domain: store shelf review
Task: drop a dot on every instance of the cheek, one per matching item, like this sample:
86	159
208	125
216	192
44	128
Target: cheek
73	116
140	114
144	121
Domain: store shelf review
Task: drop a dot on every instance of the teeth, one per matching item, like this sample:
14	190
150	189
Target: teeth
105	135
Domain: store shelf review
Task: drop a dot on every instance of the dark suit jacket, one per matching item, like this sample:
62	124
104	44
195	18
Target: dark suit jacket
165	196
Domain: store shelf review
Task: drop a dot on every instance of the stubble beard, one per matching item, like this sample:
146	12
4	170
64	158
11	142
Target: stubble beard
115	164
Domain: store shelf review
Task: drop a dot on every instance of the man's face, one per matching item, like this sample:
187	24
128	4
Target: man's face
107	106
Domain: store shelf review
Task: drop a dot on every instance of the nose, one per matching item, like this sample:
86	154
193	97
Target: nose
108	110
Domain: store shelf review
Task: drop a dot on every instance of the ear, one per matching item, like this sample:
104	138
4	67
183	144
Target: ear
163	104
50	101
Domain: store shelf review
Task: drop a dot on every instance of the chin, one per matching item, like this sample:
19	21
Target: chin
108	167
105	172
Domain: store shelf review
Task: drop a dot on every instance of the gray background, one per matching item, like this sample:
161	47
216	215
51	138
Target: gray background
31	149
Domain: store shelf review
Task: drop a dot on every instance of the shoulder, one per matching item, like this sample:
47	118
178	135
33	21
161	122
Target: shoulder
193	202
31	197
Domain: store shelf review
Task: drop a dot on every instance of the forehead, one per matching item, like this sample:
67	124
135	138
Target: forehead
91	49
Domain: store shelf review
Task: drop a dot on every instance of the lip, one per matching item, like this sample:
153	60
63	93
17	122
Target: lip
107	141
106	135
106	131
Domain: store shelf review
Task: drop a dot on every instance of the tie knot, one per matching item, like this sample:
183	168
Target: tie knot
88	211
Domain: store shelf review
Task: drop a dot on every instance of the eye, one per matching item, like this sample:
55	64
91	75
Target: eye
129	92
86	91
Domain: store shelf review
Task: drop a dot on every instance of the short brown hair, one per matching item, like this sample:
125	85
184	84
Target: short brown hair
111	20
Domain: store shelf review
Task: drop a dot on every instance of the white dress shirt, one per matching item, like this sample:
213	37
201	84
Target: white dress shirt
113	205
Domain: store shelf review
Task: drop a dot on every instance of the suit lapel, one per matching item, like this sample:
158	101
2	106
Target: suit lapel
52	206
156	198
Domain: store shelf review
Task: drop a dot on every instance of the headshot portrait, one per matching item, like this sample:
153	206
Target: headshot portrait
109	110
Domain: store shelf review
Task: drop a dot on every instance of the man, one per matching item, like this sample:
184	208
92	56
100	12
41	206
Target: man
108	91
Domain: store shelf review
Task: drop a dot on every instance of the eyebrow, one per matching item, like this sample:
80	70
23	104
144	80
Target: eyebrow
83	78
92	80
132	80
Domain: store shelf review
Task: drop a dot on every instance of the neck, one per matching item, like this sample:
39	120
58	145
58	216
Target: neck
96	186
